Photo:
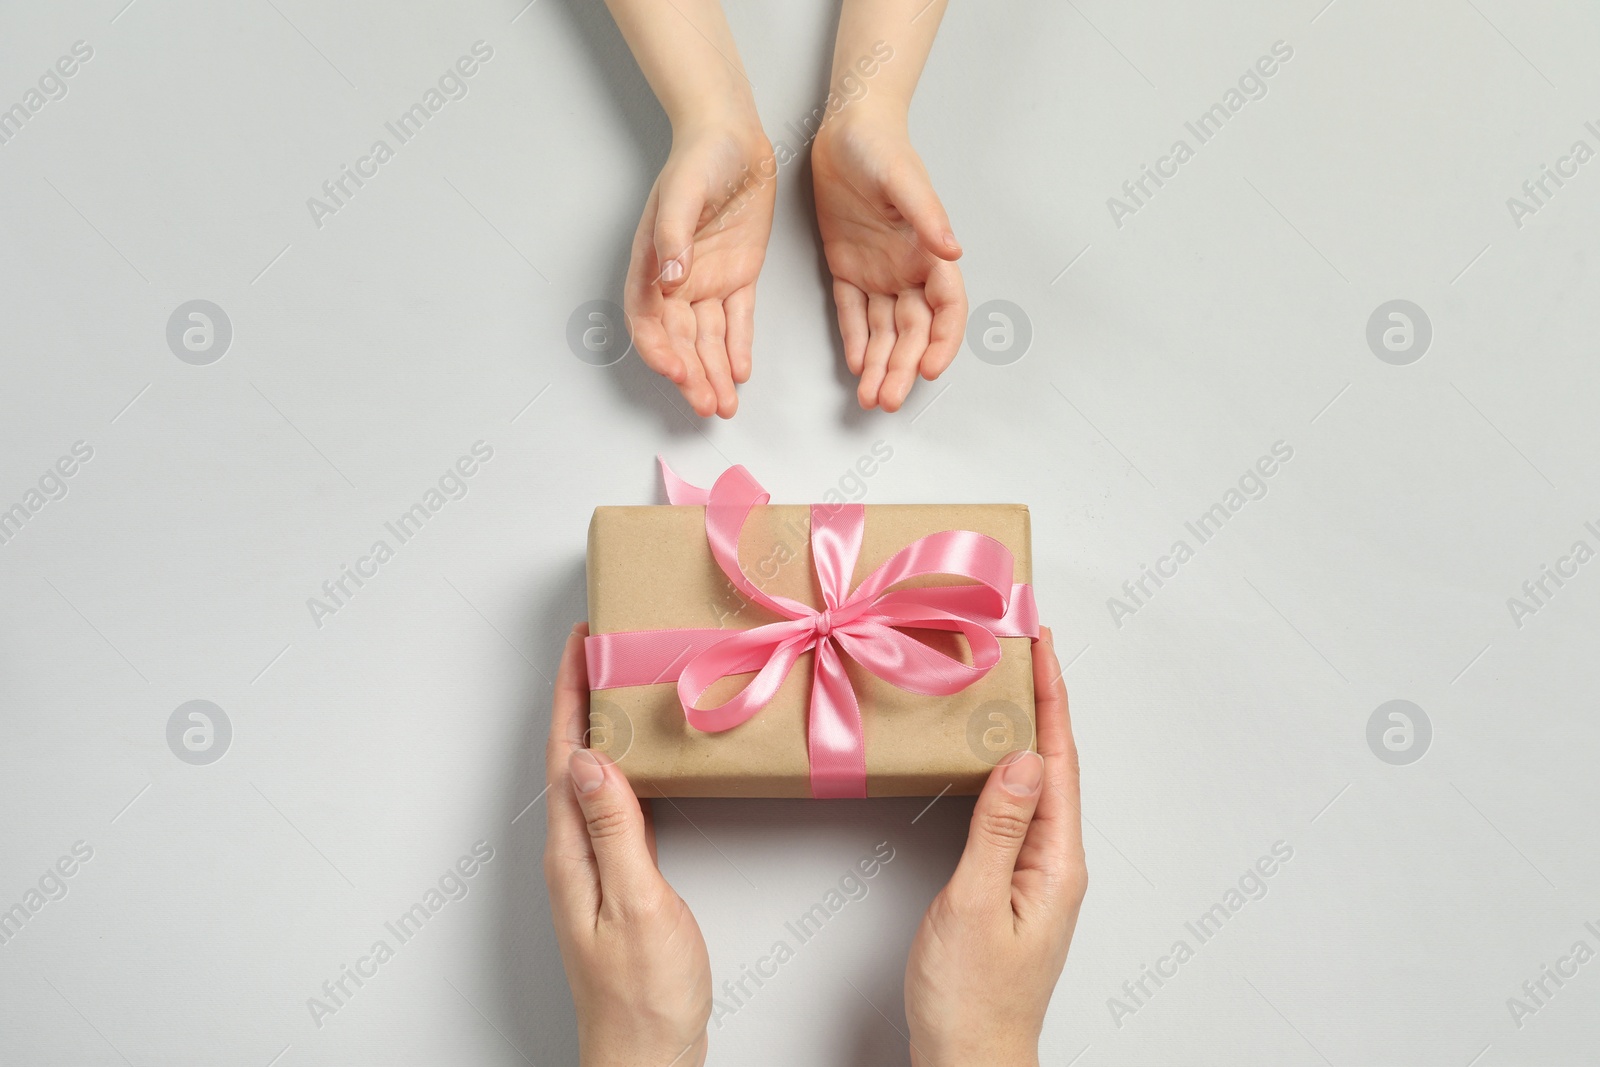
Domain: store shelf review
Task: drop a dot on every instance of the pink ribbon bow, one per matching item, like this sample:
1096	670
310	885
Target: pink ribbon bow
864	624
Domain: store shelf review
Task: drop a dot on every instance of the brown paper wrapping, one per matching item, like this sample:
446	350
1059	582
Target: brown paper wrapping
650	568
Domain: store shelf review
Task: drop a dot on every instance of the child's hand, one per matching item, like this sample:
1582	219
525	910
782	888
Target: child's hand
993	943
691	288
637	964
902	306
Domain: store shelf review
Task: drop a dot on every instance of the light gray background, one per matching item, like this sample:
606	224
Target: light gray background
1229	713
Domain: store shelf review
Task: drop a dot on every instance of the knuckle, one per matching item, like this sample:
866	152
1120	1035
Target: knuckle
1005	825
554	870
561	866
972	907
641	906
606	823
1070	755
951	907
1073	883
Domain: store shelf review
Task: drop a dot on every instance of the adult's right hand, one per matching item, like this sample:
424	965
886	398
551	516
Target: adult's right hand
986	958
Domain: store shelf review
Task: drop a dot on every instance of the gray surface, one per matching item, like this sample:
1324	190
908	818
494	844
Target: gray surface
1228	713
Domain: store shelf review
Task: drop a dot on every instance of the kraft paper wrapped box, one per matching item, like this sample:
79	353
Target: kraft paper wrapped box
651	568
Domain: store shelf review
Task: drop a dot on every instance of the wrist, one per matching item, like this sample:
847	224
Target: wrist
977	1053
733	111
880	113
600	1052
989	1058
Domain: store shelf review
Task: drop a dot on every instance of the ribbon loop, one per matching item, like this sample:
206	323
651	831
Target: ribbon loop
865	624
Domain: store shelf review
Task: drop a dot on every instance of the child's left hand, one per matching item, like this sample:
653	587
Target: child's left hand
690	295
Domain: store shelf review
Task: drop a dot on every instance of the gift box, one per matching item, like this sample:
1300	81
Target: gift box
743	649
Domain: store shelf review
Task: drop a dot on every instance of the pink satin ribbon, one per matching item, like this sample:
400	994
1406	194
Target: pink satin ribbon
864	624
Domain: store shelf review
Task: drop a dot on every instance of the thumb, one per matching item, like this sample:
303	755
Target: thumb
913	196
616	827
1000	822
677	218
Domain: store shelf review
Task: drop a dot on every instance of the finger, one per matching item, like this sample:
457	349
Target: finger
678	216
642	303
650	831
880	342
1000	823
1052	856
740	311
852	306
912	318
1063	801
655	348
616	828
947	296
683	327
913	196
710	343
569	866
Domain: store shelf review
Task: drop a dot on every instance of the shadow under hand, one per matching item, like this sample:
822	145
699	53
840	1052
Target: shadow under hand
530	983
792	851
597	35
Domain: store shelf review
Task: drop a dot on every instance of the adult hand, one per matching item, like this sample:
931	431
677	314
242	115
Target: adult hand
901	303
987	955
690	294
635	959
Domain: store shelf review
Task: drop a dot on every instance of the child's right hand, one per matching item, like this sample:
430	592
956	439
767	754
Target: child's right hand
691	289
901	302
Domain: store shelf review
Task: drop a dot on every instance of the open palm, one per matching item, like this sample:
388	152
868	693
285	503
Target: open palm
691	289
901	302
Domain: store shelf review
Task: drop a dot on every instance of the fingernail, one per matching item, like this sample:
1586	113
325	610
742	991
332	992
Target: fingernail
951	243
672	271
586	770
1022	774
577	626
1048	635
